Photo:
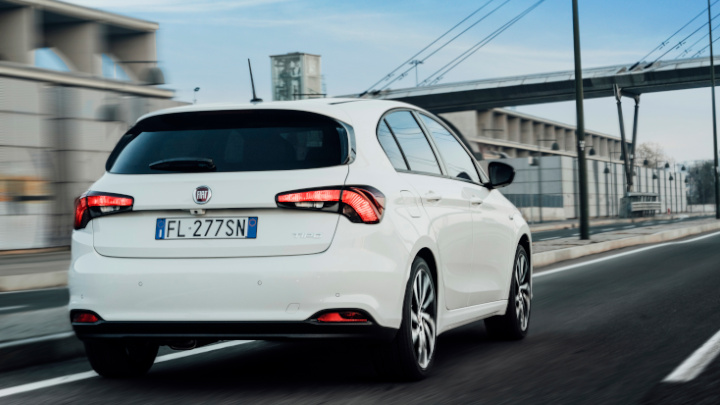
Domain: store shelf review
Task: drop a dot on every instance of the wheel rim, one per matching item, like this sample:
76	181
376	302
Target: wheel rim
522	288
422	315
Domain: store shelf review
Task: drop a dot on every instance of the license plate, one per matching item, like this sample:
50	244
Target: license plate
206	228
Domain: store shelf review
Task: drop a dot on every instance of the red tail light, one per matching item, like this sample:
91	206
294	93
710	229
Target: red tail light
95	204
343	316
84	317
358	203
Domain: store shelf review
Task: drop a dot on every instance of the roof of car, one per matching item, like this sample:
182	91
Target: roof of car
339	108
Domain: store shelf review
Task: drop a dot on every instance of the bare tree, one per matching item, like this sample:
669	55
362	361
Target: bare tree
652	152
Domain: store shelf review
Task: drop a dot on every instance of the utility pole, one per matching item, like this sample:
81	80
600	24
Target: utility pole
582	167
416	62
715	142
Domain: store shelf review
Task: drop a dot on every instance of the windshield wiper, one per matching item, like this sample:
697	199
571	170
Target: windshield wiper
185	164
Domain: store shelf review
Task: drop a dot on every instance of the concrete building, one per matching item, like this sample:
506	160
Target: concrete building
544	155
72	80
296	76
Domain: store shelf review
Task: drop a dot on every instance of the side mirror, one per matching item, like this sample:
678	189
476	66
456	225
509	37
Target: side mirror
501	174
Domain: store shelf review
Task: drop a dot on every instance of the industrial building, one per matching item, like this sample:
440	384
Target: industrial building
72	80
544	155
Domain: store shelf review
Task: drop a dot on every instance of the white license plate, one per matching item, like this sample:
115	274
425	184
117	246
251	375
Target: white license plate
206	228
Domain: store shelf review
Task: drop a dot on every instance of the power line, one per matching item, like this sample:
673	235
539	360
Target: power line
700	52
667	41
682	41
440	73
689	48
403	74
389	75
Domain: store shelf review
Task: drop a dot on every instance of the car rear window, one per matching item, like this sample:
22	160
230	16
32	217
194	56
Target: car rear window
230	141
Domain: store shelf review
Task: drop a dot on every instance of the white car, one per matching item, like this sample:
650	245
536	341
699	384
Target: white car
331	218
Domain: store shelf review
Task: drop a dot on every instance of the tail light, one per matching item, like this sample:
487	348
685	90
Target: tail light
343	316
95	204
362	204
84	317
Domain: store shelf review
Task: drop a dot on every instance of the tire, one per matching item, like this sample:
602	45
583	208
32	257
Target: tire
410	356
117	359
516	321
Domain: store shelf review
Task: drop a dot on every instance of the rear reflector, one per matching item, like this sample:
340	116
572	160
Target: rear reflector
359	203
343	316
95	204
85	317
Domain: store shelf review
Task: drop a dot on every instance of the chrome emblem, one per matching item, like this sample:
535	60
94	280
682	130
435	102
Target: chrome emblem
202	195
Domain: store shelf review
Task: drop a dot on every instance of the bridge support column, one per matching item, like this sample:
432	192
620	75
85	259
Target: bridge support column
623	144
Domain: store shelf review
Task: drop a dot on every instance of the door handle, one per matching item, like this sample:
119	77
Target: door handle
432	197
476	200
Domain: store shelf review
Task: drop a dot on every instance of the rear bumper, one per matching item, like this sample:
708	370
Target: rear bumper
244	291
164	331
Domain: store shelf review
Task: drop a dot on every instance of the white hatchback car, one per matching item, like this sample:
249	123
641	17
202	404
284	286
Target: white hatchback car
332	218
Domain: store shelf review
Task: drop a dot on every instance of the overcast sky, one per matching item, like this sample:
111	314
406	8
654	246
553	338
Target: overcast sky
205	43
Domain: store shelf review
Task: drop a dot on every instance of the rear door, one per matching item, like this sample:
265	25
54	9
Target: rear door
204	185
445	201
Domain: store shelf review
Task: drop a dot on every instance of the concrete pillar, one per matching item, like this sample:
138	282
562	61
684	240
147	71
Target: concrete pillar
560	136
500	126
18	35
79	43
133	47
513	129
466	122
526	130
570	141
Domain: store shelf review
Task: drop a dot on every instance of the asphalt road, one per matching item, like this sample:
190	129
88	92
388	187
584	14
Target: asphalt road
606	331
571	232
32	300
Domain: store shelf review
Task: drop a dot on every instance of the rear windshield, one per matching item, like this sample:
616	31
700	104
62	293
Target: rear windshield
230	141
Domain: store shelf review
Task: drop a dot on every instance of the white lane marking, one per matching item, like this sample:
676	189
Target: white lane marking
694	365
628	227
11	308
90	374
575	234
37	339
608	229
554	237
632	252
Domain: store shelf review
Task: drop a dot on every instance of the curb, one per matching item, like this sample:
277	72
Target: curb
554	256
573	225
39	350
18	282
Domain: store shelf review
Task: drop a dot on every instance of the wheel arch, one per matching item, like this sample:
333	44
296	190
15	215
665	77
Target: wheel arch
429	257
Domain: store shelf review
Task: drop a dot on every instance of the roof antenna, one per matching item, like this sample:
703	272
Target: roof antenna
255	98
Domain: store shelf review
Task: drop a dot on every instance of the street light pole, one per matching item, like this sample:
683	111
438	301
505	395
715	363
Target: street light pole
582	167
715	142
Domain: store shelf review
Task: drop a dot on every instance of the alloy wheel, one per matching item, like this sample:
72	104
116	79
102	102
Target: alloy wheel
522	289
422	315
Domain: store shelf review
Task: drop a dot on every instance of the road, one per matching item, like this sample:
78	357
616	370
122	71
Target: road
572	232
21	301
605	330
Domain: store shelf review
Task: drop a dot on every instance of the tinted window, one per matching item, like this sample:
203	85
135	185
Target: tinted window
457	161
414	145
232	140
387	141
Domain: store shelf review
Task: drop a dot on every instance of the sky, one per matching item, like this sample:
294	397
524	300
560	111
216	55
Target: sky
206	44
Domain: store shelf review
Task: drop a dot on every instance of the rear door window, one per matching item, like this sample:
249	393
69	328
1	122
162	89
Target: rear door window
230	141
390	146
412	140
457	161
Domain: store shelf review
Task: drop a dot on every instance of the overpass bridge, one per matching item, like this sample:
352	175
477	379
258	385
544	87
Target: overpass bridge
558	86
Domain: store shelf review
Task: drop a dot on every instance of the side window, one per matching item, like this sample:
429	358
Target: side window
417	150
387	141
458	162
